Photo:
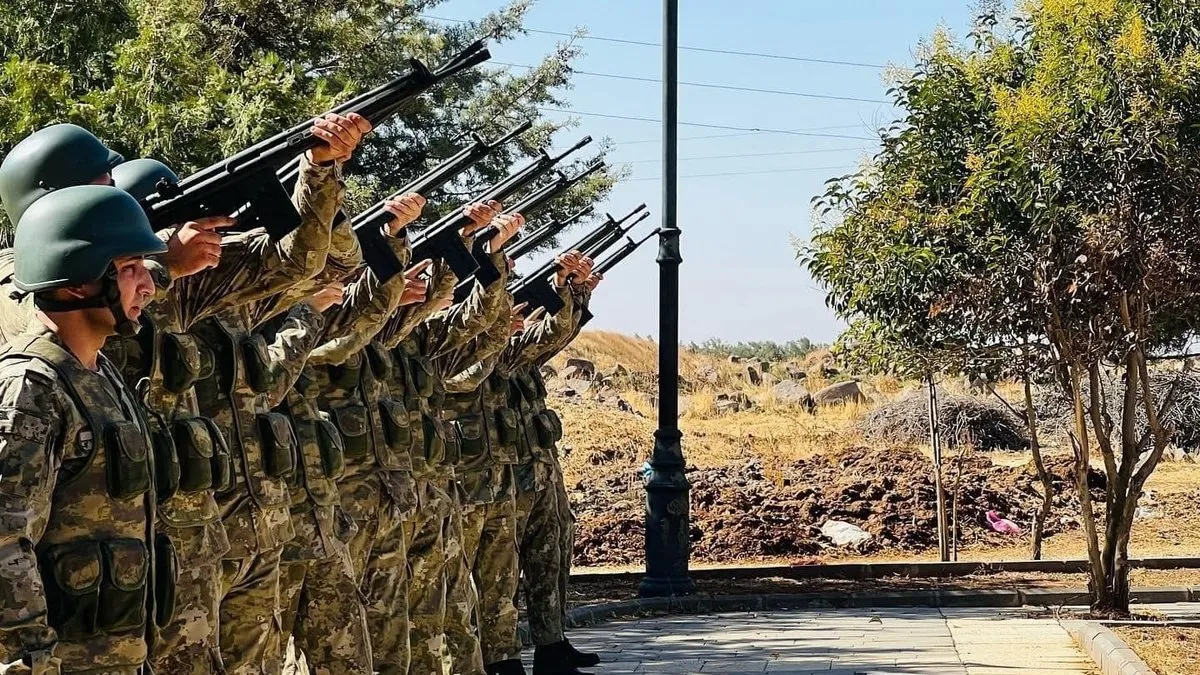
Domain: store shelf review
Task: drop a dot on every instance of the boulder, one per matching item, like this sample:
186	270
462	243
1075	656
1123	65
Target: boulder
752	375
829	371
733	358
842	533
549	372
764	367
769	380
579	369
840	393
617	371
793	393
572	388
795	373
708	374
728	402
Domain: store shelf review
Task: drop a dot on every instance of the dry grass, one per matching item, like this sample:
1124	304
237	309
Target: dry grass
1169	651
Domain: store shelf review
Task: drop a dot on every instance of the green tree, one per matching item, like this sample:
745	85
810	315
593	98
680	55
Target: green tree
192	81
1035	206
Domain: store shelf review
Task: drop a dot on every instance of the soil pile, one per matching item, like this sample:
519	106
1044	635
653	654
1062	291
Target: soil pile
747	511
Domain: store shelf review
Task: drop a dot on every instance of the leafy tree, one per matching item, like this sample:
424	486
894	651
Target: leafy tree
192	81
1035	208
767	350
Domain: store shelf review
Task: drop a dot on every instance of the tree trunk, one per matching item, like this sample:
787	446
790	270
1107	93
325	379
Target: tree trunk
1097	581
935	439
1043	513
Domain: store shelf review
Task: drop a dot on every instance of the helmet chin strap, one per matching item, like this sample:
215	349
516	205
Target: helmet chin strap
109	297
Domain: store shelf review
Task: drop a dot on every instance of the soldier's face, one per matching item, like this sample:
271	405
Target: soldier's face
135	284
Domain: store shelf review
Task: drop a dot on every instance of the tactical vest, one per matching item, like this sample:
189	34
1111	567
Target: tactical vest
416	383
262	441
375	428
192	458
321	453
485	474
542	426
96	558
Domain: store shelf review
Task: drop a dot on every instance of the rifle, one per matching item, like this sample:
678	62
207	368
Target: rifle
247	184
540	236
369	225
535	289
487	274
443	239
610	262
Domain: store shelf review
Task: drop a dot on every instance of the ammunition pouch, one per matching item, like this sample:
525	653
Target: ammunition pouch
508	426
96	587
527	386
166	576
547	430
453	441
354	426
222	459
333	450
127	460
278	445
183	362
380	362
346	375
166	463
397	435
257	360
196	451
423	377
435	439
470	429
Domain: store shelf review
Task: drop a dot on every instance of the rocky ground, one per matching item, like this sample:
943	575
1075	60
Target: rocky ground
779	474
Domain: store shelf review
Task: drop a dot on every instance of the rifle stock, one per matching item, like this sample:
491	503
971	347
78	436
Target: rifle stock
369	226
247	185
444	240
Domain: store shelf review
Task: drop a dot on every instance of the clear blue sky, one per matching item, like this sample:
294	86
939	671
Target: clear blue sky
739	280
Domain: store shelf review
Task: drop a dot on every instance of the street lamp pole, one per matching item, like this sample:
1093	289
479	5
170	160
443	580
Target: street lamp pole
667	544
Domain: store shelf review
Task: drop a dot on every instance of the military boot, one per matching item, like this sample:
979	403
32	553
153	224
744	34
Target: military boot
555	659
509	667
582	659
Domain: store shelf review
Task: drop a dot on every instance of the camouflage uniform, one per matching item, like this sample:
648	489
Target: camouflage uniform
539	532
77	500
435	350
319	585
238	395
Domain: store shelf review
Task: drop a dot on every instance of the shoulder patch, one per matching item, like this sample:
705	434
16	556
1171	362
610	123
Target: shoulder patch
23	425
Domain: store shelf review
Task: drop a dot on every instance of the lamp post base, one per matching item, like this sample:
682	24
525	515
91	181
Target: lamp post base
667	530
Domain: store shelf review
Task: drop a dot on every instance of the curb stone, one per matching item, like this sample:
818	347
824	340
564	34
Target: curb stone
1109	652
706	603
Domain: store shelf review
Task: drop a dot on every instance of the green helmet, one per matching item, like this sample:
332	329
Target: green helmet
59	156
72	236
140	177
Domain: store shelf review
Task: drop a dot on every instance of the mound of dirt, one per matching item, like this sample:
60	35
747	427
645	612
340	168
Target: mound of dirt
746	511
985	424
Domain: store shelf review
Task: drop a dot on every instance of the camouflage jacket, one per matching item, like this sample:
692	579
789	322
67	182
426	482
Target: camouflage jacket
76	510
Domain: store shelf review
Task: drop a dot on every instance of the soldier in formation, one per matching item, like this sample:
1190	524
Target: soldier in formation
217	442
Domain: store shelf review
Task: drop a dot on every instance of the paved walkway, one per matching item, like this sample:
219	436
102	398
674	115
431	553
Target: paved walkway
907	641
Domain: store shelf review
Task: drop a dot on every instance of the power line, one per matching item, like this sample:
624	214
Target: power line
748	173
745	133
755	154
707	50
707	85
785	132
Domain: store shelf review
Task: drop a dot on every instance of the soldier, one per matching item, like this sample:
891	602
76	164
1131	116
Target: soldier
319	587
82	574
235	395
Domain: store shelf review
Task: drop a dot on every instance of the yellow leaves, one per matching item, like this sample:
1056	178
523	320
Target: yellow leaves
1025	113
974	163
1132	45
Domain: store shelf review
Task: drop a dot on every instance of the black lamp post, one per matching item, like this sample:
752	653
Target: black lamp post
667	544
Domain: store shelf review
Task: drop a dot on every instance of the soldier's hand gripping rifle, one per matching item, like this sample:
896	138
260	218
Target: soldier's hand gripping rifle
369	226
612	261
248	185
535	289
444	240
537	238
487	274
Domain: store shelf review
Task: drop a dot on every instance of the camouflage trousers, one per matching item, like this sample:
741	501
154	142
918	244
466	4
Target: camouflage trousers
462	596
425	536
490	546
323	613
566	523
540	549
251	640
381	568
190	643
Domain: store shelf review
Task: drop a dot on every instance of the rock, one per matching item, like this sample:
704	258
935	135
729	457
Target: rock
571	388
769	380
840	393
842	533
579	369
793	393
764	367
829	371
708	374
549	372
734	358
733	402
795	373
617	371
751	375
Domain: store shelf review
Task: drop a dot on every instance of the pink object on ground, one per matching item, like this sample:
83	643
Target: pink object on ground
1002	525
